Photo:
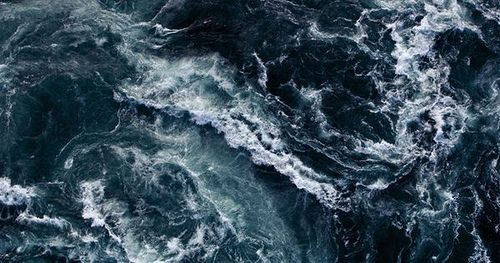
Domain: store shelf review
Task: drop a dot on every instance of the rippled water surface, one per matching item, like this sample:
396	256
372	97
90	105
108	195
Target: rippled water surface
249	131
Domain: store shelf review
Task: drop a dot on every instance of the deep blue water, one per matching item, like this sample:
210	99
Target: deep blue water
249	131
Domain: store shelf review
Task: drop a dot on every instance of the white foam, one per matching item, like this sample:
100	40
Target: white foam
100	41
97	209
411	44
68	163
262	71
315	97
203	86
489	11
15	194
26	218
480	253
177	250
92	195
357	37
163	32
124	231
378	185
193	85
85	238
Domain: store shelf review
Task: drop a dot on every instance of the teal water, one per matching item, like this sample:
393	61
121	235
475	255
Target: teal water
249	131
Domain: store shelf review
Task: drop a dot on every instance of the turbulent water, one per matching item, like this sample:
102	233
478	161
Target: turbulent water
249	131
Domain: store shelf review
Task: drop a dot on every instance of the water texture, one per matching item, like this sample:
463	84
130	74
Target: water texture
249	131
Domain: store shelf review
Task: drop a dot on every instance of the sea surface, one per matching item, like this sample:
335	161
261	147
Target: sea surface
249	131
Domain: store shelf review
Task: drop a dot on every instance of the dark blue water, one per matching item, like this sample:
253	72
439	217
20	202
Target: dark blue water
249	131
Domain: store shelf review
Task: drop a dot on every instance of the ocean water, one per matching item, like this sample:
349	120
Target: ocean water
249	131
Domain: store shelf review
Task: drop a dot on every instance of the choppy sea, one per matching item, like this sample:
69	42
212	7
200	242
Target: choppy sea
249	131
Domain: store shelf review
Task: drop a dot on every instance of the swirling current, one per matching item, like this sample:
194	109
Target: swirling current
249	131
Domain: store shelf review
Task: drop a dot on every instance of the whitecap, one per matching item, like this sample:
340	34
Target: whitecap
26	218
262	70
68	163
92	195
15	194
380	184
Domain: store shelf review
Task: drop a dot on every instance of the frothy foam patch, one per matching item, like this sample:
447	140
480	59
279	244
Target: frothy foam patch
315	97
26	218
68	163
201	87
14	194
412	43
232	216
147	167
97	209
380	184
189	84
262	70
177	250
480	252
92	195
357	37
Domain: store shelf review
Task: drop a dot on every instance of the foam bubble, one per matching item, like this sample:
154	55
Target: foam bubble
92	195
68	163
26	218
14	194
380	184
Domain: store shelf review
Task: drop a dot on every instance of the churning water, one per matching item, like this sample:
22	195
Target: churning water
249	131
